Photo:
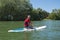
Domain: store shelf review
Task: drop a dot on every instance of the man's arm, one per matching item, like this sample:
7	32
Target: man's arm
31	24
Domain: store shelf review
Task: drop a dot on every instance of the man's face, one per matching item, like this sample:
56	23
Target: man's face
29	16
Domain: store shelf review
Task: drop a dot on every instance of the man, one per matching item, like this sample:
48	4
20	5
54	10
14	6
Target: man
27	23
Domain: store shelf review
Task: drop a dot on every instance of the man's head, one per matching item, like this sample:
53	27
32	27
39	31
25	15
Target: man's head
28	16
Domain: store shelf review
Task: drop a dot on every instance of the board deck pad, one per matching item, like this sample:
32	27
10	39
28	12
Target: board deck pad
24	29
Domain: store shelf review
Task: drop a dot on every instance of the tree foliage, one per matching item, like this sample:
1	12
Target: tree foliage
55	14
39	14
19	9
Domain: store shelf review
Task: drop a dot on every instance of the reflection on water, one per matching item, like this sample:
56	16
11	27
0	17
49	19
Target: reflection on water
52	32
27	35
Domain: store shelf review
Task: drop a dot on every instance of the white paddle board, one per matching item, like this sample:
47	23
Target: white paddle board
24	29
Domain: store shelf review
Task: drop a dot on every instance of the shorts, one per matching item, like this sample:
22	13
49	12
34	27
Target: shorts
29	27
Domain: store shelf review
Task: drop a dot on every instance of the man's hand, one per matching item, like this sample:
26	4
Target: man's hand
30	24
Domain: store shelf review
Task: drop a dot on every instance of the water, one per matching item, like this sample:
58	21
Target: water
51	32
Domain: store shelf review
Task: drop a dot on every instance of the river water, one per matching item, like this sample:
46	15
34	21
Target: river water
51	32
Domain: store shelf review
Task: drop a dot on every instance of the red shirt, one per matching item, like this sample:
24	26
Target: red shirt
26	22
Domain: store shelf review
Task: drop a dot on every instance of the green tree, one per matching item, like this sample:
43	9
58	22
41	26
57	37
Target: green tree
39	14
15	8
55	14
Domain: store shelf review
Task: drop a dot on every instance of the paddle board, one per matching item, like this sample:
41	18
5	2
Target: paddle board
24	29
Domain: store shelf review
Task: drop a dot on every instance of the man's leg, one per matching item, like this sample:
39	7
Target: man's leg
31	27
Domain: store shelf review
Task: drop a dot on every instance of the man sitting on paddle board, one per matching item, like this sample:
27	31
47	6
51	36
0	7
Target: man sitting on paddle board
27	23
